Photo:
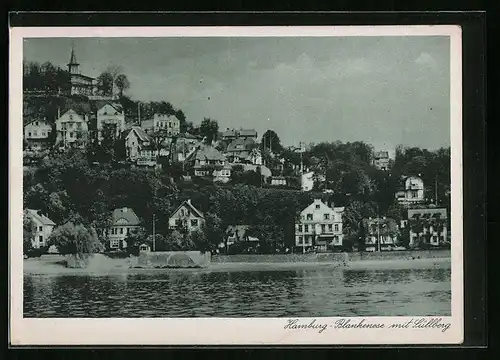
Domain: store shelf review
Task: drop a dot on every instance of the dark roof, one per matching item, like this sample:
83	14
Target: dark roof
246	143
140	133
248	132
229	132
430	211
102	103
382	154
207	152
40	217
125	213
189	205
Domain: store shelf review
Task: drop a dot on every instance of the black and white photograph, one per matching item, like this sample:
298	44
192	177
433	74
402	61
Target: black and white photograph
289	177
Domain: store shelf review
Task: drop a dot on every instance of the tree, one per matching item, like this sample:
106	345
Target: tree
136	238
28	233
271	142
199	241
122	83
353	221
209	129
105	83
74	239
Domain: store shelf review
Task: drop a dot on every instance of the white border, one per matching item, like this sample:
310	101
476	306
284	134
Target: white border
222	331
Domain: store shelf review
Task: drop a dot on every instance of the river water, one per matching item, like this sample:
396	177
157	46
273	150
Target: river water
311	292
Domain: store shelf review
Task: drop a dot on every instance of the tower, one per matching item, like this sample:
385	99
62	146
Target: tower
73	66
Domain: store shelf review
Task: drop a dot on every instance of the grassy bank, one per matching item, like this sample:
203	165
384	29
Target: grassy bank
56	266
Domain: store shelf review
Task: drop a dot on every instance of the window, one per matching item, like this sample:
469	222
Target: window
40	228
299	228
71	134
71	117
36	123
326	216
335	239
306	228
177	222
182	212
114	244
29	134
194	222
43	133
317	206
309	216
414	193
301	240
323	228
336	227
330	227
79	125
34	133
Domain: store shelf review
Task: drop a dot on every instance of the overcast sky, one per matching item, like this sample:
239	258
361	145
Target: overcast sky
382	90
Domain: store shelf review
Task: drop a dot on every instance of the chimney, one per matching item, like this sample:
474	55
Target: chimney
189	201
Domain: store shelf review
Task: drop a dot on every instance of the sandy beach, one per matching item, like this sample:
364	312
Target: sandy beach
105	266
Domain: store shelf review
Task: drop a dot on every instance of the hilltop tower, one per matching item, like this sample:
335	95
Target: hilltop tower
73	66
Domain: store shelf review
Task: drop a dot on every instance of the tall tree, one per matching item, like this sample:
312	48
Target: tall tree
105	83
122	83
271	142
209	129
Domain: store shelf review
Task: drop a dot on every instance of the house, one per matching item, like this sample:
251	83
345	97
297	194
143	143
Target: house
222	173
412	191
187	216
72	128
231	134
80	84
307	181
319	226
36	134
123	222
244	150
169	123
385	229
135	141
43	227
238	233
206	161
278	181
381	160
427	226
110	116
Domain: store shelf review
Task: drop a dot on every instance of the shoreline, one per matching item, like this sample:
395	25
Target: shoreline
41	267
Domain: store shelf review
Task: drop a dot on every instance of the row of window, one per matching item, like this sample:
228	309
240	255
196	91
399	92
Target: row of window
309	217
66	126
323	227
116	231
35	133
307	240
194	222
161	124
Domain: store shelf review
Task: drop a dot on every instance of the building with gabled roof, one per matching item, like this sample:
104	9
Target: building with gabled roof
43	227
36	133
135	141
187	217
319	226
110	116
123	222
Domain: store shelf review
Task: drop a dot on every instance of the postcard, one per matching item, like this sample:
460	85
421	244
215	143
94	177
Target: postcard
236	185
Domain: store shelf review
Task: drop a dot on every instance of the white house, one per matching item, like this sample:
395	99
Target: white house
413	191
427	226
187	216
72	128
135	141
320	225
36	133
170	123
43	228
307	181
110	115
123	221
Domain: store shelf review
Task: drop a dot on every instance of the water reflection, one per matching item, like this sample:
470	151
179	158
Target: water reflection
303	292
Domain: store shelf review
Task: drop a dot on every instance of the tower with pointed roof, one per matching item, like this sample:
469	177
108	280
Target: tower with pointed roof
80	84
73	66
